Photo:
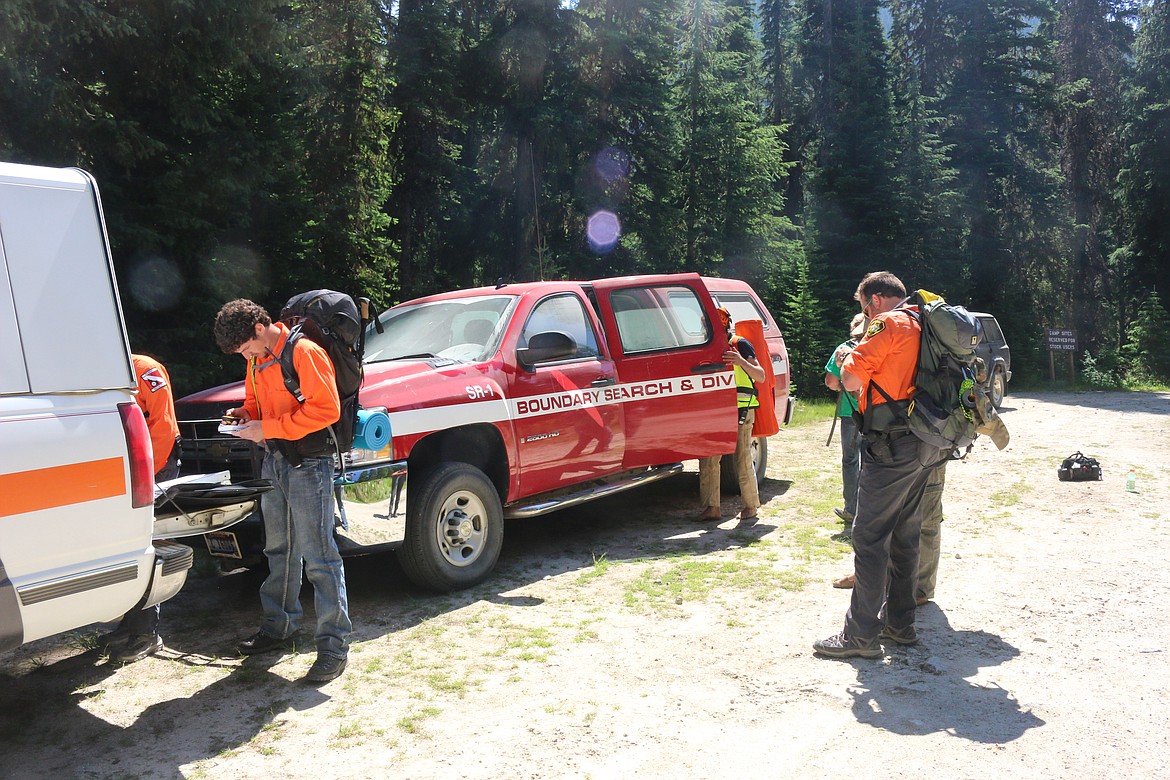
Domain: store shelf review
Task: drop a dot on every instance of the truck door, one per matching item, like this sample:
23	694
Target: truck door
677	393
566	432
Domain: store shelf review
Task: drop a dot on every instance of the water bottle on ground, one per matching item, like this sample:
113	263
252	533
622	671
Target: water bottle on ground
1131	481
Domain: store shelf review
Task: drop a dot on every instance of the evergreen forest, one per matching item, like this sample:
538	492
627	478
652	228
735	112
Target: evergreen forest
1012	155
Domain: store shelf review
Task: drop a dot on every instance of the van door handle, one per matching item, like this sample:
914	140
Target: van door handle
708	368
604	381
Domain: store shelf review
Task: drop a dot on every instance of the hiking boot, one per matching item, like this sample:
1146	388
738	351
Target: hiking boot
261	643
843	514
902	636
137	648
112	641
844	646
324	669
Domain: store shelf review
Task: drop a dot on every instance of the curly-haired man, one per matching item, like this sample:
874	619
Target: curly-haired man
298	511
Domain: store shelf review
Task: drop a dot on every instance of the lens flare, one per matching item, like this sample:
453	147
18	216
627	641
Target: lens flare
612	165
603	231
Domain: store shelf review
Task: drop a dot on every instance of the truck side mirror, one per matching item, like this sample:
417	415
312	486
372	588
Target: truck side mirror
546	346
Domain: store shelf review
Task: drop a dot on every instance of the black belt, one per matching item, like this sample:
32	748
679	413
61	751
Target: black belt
894	432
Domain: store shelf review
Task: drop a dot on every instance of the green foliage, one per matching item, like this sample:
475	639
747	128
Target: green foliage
805	334
1145	177
1147	347
853	195
252	148
1099	374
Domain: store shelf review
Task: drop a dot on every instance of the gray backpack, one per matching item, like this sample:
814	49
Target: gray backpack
942	411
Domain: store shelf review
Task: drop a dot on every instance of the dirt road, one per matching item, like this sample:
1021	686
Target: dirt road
623	639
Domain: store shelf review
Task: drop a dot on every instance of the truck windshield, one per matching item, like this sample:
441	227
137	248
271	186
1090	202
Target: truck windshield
466	329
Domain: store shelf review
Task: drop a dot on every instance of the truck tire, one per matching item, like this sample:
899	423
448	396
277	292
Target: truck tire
454	528
997	388
729	474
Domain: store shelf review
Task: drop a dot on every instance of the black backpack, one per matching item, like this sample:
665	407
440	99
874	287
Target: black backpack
942	411
331	320
1078	468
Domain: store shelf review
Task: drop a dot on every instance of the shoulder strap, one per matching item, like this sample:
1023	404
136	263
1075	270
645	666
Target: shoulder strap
292	383
288	369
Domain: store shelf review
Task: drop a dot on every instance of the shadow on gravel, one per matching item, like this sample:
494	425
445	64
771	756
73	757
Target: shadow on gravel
42	684
903	696
41	708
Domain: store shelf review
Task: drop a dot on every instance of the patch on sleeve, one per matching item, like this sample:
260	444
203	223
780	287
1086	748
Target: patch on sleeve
875	327
154	379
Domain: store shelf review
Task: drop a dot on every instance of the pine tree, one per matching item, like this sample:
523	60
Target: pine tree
931	233
345	126
787	100
182	112
806	335
853	215
1147	348
1016	229
620	141
730	164
1092	48
1146	176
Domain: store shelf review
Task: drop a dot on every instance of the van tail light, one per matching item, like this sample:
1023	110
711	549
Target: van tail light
141	455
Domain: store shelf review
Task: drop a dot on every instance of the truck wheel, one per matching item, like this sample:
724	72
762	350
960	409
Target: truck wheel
998	388
729	475
454	528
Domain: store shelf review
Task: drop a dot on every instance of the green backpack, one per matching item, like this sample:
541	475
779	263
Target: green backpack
942	410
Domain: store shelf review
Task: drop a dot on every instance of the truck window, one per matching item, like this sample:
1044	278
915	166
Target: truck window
991	329
742	307
566	314
462	329
656	318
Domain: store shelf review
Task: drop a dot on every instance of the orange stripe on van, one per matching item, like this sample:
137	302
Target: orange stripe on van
28	491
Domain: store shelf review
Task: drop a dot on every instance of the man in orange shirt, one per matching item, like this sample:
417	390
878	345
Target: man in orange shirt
298	512
137	634
889	492
158	406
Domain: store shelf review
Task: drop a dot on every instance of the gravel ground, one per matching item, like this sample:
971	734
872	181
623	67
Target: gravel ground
624	639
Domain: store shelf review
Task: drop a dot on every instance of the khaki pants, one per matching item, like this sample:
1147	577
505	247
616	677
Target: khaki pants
709	470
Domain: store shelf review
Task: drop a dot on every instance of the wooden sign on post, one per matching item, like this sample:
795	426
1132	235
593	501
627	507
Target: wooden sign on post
1061	340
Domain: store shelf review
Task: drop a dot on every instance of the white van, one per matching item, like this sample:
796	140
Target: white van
76	470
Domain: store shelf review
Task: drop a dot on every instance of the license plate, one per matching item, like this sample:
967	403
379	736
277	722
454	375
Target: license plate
223	544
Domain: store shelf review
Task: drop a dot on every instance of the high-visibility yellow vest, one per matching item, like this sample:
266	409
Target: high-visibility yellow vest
746	396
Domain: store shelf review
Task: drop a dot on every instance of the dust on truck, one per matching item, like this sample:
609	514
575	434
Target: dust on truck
514	401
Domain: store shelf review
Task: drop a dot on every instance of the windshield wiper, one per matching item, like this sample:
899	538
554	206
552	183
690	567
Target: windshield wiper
414	356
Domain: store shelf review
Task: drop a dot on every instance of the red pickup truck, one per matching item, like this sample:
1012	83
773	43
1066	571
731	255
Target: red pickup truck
514	401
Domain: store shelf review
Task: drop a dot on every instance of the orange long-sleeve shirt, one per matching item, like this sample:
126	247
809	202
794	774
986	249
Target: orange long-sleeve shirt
887	355
268	400
158	406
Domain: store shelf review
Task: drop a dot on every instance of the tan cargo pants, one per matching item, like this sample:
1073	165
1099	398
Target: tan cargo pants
709	470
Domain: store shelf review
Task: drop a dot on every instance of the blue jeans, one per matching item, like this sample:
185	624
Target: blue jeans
850	463
298	528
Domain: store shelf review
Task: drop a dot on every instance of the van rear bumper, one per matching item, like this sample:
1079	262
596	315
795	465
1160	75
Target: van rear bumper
172	561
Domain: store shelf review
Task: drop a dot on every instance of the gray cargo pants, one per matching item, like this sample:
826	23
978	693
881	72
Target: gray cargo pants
930	547
885	539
